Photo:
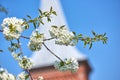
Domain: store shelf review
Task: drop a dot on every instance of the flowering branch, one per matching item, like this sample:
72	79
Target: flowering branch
12	28
23	56
43	40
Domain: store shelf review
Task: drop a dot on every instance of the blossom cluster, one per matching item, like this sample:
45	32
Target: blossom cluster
4	75
23	76
62	34
36	40
24	62
12	28
68	64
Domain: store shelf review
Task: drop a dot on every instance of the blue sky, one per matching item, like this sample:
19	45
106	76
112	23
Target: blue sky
82	16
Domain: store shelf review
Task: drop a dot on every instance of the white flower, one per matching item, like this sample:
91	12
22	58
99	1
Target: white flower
36	40
22	76
11	77
40	78
25	63
62	34
12	28
16	56
4	75
68	64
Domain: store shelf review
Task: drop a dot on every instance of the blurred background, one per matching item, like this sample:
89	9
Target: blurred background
82	16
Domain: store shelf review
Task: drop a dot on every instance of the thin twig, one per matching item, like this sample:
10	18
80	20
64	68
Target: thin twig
22	56
52	52
29	74
29	38
1	30
48	39
20	47
25	37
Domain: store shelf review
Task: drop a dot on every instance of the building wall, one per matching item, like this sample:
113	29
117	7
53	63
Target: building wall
49	73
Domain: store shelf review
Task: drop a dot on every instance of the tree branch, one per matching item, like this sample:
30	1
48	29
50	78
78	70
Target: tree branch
21	52
52	52
1	30
48	39
25	37
29	74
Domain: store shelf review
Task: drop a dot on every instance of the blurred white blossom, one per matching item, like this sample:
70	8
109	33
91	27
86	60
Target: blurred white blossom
4	75
40	78
12	28
23	76
25	63
68	64
16	56
36	40
62	34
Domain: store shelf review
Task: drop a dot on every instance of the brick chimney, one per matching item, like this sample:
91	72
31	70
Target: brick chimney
49	73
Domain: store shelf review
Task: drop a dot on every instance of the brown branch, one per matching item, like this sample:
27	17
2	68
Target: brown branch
48	39
52	52
20	47
25	37
29	75
29	38
1	30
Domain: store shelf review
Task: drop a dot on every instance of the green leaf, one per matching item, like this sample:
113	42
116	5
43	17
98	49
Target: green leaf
29	16
90	46
54	13
62	26
79	36
26	77
26	26
104	34
93	33
24	19
51	9
45	13
3	9
34	25
48	19
41	22
85	43
40	12
74	33
54	26
62	63
31	21
1	50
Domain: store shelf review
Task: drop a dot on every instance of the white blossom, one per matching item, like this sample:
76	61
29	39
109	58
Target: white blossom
4	75
68	64
36	40
62	34
16	56
25	63
40	78
22	76
12	28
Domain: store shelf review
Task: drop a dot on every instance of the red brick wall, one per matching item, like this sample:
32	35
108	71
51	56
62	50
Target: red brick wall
49	73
